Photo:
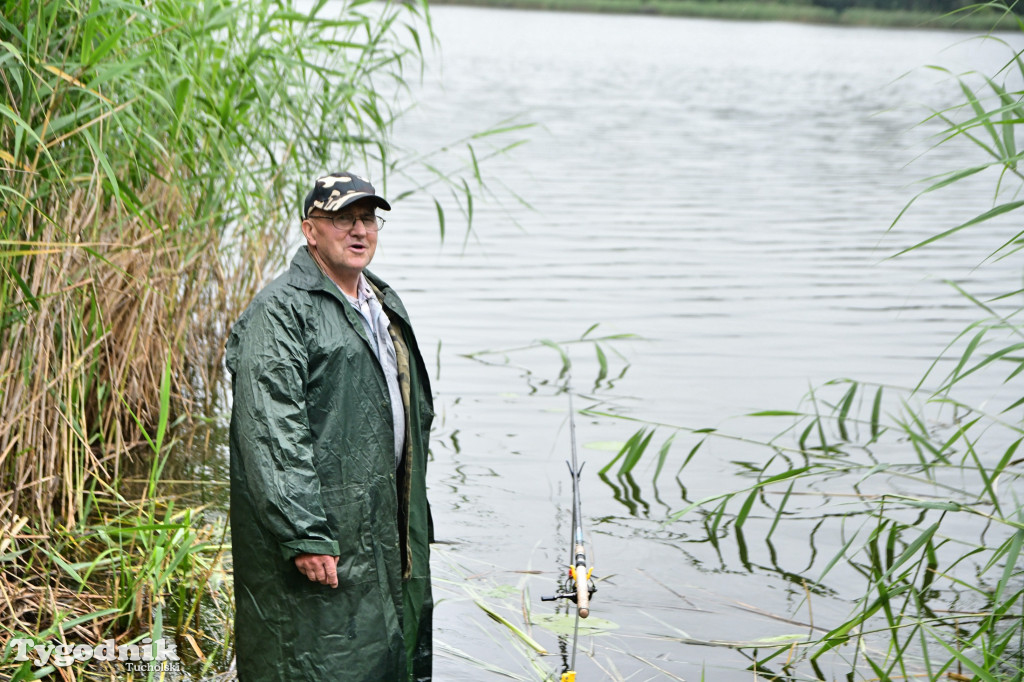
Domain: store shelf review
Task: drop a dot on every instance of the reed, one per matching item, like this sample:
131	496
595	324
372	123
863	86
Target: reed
116	574
152	156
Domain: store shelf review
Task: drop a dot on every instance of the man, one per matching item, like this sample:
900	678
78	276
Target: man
329	432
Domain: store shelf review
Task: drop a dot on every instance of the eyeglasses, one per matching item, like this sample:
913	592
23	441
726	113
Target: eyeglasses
372	223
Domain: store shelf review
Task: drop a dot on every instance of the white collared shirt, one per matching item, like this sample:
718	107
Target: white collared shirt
376	323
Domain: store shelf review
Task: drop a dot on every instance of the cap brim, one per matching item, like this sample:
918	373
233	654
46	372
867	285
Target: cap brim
356	196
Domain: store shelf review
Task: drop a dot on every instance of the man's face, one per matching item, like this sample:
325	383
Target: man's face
343	252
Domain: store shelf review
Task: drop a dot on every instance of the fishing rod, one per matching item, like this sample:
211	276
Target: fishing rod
578	588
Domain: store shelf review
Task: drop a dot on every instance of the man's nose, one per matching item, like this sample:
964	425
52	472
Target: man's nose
358	227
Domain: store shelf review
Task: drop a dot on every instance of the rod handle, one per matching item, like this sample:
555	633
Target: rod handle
582	591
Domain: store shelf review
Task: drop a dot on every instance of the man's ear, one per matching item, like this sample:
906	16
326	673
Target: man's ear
307	230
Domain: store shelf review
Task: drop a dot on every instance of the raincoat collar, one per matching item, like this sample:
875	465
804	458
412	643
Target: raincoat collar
305	274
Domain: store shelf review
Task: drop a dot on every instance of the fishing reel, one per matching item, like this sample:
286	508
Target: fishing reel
569	590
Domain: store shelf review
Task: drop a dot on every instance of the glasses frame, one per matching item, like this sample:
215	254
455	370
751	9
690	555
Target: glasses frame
374	226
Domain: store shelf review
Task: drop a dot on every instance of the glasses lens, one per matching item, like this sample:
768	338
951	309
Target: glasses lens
370	222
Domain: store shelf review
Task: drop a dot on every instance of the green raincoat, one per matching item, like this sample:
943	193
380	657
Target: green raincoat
313	471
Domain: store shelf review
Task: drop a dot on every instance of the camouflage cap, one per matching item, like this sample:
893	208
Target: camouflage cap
337	190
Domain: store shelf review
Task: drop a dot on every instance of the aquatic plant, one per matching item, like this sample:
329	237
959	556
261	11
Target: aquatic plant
114	575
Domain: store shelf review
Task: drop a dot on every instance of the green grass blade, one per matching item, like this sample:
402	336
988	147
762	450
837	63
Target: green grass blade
529	641
987	215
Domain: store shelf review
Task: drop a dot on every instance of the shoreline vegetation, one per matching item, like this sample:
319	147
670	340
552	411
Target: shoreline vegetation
151	157
977	18
152	160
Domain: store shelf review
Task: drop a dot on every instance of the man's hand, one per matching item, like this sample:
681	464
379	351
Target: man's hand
320	568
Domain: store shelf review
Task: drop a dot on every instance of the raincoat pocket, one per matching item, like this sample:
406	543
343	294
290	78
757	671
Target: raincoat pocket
348	522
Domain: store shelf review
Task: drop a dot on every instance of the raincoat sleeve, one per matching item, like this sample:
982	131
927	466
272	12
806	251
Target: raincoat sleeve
268	358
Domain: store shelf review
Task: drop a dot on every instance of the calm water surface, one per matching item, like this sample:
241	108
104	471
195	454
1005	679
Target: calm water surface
721	190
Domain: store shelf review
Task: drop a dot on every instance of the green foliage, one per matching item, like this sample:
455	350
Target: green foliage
937	6
153	157
152	160
114	576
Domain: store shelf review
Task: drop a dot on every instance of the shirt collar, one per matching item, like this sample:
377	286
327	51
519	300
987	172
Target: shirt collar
364	290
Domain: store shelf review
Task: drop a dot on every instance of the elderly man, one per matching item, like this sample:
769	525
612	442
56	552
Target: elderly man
329	431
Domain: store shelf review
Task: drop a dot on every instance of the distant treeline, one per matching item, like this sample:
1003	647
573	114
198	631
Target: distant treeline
936	6
975	16
927	6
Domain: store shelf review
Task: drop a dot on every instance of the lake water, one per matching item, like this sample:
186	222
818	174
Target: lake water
722	190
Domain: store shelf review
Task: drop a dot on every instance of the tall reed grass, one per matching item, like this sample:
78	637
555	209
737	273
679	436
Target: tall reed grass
152	157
